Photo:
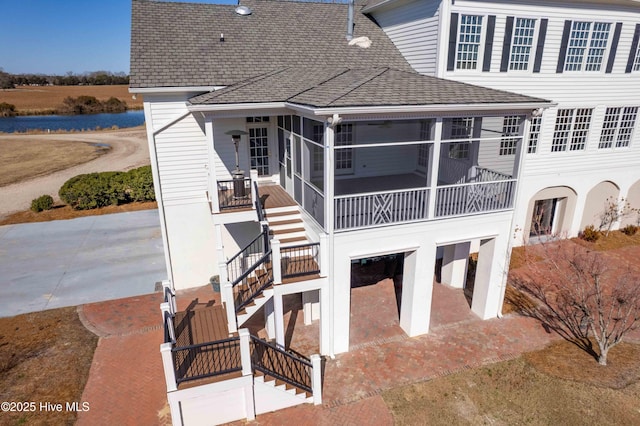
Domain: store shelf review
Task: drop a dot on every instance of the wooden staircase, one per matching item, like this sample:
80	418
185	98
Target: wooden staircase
286	225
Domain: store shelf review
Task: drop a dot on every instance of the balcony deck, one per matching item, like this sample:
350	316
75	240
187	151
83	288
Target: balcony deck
198	325
274	196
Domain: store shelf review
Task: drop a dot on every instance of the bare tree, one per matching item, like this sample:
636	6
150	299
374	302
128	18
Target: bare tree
614	211
574	292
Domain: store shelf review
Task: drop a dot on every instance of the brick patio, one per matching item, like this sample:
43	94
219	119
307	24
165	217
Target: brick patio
126	383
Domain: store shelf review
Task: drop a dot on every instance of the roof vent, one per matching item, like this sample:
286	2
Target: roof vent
243	10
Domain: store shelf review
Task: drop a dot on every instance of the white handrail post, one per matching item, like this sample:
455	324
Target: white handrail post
254	178
276	262
230	306
168	288
245	353
169	369
316	378
324	255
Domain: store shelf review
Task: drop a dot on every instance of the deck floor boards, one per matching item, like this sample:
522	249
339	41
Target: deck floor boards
274	196
201	325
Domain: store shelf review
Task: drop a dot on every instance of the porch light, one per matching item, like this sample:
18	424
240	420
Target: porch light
237	175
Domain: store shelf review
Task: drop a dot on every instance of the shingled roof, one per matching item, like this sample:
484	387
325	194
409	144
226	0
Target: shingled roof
178	44
323	87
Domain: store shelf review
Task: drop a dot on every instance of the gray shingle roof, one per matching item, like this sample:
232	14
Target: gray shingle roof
344	87
178	44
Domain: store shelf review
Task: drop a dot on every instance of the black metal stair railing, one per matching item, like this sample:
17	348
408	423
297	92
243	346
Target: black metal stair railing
253	282
286	366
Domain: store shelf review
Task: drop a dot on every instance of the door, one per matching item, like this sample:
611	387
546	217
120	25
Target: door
543	218
259	149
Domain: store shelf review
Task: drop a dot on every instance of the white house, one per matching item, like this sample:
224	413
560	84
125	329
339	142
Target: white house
582	55
282	152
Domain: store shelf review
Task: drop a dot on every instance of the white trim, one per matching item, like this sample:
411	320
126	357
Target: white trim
236	107
174	89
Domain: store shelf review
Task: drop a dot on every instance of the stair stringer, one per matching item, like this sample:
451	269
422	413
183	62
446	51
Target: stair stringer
271	397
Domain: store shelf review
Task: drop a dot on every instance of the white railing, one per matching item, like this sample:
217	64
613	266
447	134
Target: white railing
455	200
380	208
487	175
453	171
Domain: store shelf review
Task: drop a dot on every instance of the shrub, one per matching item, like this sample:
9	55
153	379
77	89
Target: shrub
7	110
44	202
94	190
590	234
630	230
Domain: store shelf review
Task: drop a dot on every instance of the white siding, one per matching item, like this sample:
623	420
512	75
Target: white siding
413	27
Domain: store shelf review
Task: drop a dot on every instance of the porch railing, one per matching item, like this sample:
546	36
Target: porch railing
488	175
209	359
233	194
454	200
300	260
286	366
259	210
380	208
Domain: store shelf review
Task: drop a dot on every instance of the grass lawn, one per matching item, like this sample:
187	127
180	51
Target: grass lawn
44	357
20	159
554	386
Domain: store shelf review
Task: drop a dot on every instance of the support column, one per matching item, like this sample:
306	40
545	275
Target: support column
417	290
311	306
454	264
247	370
489	276
269	319
325	323
169	369
278	310
316	378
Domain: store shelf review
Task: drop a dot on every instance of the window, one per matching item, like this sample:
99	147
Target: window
264	119
259	150
318	152
590	38
534	134
344	157
636	61
522	43
461	128
469	42
510	128
618	126
572	129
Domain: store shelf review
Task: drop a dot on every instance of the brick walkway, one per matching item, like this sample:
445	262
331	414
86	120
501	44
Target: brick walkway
126	382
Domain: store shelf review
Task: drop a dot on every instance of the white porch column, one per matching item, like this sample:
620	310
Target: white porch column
454	264
247	370
276	262
489	277
269	319
325	324
226	294
435	164
324	255
417	290
211	169
311	306
169	369
278	309
316	378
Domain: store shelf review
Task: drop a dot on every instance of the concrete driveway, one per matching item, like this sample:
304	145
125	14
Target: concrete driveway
70	262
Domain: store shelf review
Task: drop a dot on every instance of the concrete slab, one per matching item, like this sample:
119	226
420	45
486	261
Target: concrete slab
70	262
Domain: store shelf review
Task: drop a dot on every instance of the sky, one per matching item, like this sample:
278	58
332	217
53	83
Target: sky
61	36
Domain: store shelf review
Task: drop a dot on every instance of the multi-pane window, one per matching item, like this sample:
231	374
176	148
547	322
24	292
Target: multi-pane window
461	128
522	43
318	152
618	126
572	129
510	135
259	150
263	119
469	42
636	60
344	157
534	134
587	46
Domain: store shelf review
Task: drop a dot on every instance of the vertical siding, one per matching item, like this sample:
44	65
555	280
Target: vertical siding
413	27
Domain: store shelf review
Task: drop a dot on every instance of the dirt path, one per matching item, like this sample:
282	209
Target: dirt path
129	149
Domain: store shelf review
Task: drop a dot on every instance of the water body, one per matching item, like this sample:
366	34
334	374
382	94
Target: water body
71	122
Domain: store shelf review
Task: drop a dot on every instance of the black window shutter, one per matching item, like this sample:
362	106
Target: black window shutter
453	41
542	34
488	43
563	46
506	44
614	47
634	49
